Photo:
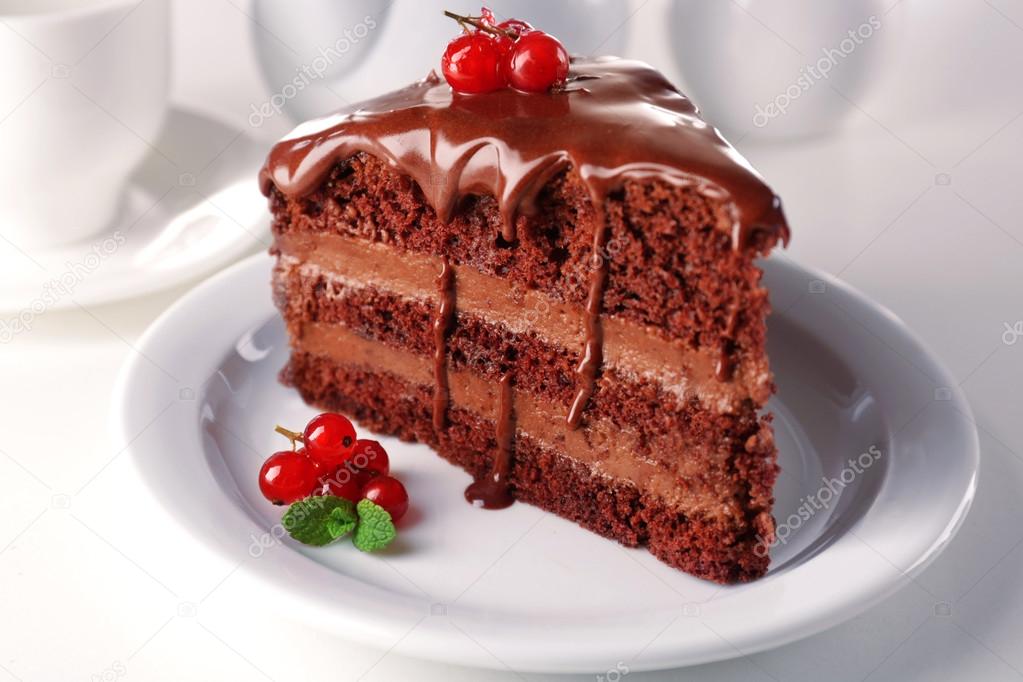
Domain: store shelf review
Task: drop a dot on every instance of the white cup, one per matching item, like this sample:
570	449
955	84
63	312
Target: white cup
83	97
800	70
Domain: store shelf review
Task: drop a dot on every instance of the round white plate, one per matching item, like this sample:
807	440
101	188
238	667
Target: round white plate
525	590
181	214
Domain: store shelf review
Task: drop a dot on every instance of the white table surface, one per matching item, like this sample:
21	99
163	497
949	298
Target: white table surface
916	203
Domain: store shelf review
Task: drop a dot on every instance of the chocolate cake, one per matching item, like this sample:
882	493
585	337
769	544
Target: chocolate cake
557	292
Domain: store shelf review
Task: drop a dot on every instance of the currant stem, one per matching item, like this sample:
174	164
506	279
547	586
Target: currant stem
293	436
486	28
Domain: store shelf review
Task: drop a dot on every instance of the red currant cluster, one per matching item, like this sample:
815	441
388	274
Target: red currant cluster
498	55
332	461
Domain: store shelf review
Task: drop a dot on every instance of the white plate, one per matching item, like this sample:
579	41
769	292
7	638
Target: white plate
182	214
526	590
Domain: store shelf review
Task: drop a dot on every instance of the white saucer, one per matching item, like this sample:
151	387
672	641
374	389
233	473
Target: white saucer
525	590
192	206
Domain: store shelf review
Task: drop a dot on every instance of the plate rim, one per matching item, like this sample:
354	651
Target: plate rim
355	626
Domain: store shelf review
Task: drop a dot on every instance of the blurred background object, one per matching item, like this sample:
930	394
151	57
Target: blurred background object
112	190
64	70
307	47
800	70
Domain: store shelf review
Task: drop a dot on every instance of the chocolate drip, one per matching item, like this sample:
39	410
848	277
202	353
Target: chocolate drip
593	353
494	490
441	327
726	347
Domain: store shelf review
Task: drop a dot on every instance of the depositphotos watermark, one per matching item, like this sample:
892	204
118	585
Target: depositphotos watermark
316	69
811	74
272	537
822	499
112	672
614	674
62	286
1012	333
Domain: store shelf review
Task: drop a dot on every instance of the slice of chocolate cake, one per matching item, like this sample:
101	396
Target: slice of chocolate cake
557	292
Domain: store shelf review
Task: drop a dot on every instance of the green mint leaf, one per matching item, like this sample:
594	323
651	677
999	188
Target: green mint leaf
318	520
342	521
375	530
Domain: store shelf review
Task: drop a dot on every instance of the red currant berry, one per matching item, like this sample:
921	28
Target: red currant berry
487	16
538	62
472	64
389	493
342	483
329	439
316	465
287	476
504	47
516	26
369	459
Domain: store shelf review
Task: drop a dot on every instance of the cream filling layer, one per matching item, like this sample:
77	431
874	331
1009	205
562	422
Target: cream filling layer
601	445
629	348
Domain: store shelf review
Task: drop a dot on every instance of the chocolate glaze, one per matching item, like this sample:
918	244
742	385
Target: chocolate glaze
442	325
614	120
494	490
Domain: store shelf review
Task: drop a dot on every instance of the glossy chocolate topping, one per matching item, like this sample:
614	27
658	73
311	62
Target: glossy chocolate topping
614	120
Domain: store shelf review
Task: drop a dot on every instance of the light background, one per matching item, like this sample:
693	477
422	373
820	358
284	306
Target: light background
916	203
